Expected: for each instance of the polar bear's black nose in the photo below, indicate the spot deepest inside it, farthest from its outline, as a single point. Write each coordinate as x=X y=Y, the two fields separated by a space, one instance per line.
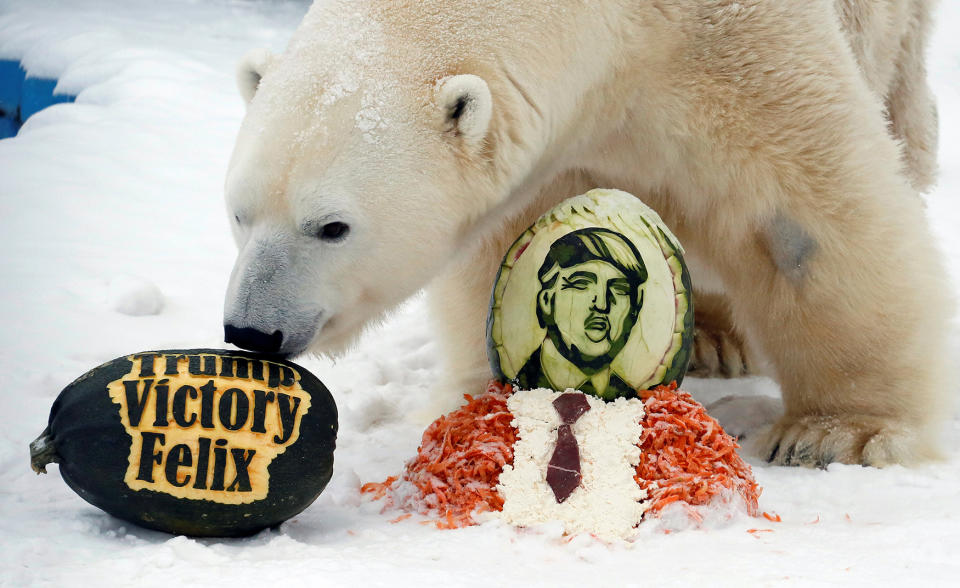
x=253 y=339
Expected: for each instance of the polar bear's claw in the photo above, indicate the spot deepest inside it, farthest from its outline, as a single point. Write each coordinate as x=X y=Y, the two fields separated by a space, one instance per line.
x=718 y=354
x=816 y=441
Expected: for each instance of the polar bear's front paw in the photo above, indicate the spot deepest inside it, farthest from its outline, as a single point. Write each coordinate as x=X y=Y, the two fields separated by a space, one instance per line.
x=816 y=441
x=717 y=353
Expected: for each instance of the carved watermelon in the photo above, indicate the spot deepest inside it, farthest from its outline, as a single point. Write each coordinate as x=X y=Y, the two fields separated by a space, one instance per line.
x=594 y=296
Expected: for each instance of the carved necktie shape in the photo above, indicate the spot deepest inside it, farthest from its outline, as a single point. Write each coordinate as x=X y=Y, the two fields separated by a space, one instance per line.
x=563 y=471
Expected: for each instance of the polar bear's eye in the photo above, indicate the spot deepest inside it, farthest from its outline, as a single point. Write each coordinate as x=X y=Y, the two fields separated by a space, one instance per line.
x=333 y=232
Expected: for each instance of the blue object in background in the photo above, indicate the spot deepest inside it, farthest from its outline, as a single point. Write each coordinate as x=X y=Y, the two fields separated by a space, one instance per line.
x=37 y=94
x=22 y=97
x=11 y=84
x=8 y=127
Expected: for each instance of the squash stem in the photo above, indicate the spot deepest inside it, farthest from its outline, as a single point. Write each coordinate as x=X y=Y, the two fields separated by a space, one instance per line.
x=42 y=452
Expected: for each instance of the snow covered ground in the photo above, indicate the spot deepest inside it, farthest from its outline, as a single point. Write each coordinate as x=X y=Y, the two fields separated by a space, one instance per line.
x=115 y=202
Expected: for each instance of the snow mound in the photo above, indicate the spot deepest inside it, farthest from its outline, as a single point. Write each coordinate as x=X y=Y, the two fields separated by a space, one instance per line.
x=134 y=296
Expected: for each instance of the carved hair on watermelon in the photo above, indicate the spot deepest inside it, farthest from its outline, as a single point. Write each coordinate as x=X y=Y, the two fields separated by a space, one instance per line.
x=686 y=458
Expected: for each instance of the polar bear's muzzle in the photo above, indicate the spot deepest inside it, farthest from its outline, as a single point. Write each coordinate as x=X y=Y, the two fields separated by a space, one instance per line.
x=264 y=309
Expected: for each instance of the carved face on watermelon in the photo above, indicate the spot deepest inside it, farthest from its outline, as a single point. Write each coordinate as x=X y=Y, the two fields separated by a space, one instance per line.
x=589 y=295
x=375 y=148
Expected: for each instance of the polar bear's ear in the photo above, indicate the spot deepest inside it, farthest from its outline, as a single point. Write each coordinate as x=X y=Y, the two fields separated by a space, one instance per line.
x=466 y=104
x=249 y=71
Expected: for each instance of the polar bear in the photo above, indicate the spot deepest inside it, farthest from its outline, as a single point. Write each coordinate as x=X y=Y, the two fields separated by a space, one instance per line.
x=398 y=145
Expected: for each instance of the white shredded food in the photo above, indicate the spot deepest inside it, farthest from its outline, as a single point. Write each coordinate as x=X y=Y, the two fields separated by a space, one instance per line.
x=608 y=503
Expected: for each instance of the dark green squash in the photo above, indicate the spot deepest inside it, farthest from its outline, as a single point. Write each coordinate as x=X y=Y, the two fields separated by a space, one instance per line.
x=199 y=442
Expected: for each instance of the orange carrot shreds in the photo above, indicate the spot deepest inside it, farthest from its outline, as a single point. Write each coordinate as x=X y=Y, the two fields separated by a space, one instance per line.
x=755 y=531
x=402 y=517
x=459 y=461
x=378 y=489
x=774 y=518
x=686 y=456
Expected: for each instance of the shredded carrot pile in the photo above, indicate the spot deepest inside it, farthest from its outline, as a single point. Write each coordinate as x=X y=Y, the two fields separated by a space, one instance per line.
x=686 y=456
x=460 y=459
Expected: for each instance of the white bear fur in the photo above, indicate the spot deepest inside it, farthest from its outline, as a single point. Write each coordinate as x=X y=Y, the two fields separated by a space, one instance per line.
x=738 y=121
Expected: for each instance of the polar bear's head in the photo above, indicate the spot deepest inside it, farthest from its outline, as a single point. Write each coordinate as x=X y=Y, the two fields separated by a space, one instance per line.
x=381 y=143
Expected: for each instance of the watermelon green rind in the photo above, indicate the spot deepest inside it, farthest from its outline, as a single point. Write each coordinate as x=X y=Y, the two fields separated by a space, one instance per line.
x=496 y=294
x=677 y=368
x=678 y=356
